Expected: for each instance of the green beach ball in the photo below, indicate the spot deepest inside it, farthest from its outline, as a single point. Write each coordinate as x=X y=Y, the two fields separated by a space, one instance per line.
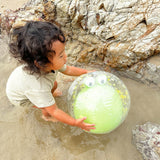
x=102 y=98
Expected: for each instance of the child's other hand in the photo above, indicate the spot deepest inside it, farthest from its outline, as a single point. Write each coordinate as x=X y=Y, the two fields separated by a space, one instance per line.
x=85 y=126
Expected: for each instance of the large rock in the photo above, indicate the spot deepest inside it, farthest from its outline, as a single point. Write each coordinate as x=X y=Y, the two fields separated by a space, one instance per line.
x=146 y=138
x=111 y=33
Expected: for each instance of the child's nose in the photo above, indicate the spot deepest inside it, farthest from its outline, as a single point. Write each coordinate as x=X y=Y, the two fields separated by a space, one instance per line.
x=65 y=56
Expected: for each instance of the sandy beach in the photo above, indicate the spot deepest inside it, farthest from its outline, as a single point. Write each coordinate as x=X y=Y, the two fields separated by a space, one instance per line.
x=10 y=4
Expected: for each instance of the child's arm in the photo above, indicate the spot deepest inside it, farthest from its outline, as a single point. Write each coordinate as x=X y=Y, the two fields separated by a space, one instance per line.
x=65 y=118
x=74 y=71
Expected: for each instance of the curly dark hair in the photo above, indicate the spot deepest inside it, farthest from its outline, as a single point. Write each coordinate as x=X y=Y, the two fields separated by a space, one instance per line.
x=33 y=42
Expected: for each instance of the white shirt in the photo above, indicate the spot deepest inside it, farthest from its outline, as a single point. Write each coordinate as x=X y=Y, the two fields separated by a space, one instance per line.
x=25 y=89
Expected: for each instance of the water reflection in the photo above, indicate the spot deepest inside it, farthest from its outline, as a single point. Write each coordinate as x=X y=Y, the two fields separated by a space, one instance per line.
x=24 y=135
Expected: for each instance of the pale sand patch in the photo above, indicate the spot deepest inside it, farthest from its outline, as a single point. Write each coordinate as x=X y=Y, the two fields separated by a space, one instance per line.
x=11 y=4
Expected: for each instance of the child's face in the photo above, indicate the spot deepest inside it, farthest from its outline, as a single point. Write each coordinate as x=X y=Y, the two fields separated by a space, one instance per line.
x=59 y=59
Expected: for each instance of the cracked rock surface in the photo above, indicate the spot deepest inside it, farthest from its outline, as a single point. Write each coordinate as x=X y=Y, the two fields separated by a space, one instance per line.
x=124 y=35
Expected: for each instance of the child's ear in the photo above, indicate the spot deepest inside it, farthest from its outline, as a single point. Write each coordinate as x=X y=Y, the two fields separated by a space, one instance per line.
x=39 y=66
x=36 y=64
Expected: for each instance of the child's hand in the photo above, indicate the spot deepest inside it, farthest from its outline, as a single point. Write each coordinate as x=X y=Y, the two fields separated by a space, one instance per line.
x=85 y=126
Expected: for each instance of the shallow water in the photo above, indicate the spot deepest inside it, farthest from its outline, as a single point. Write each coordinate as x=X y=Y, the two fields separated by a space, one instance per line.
x=24 y=135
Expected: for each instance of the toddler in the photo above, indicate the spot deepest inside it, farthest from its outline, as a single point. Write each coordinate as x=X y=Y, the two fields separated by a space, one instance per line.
x=40 y=47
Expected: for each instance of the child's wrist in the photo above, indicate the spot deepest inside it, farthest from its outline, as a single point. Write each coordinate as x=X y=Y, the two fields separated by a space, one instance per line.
x=85 y=71
x=74 y=122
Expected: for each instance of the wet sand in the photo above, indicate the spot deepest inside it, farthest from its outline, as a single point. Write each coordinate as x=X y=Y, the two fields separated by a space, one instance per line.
x=24 y=135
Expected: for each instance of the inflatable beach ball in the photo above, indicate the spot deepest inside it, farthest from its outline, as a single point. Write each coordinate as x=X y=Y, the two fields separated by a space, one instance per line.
x=102 y=98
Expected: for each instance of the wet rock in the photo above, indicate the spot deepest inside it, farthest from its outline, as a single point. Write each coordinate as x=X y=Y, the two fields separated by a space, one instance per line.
x=7 y=19
x=147 y=140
